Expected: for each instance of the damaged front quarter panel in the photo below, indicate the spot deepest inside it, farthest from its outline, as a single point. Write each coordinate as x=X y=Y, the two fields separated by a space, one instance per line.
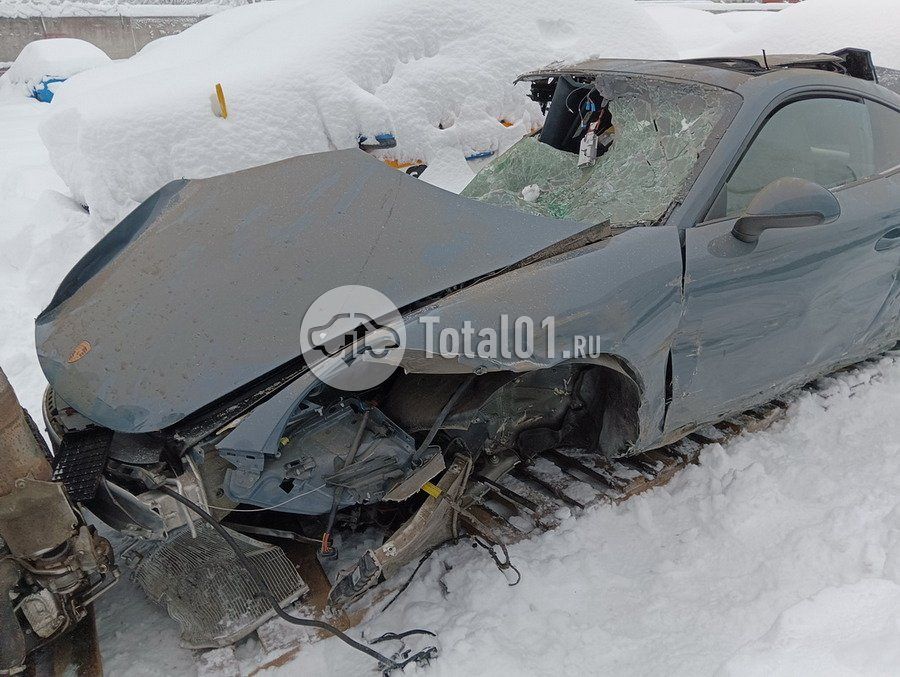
x=627 y=316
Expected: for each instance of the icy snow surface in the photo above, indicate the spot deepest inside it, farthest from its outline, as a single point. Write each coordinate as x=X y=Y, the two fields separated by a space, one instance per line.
x=693 y=27
x=779 y=554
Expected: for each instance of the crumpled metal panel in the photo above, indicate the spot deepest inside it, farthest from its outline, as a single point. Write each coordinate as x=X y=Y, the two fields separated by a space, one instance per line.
x=312 y=460
x=203 y=288
x=661 y=129
x=629 y=311
x=762 y=318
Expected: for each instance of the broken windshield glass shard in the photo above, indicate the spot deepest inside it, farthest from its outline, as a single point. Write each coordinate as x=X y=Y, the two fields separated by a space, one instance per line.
x=658 y=133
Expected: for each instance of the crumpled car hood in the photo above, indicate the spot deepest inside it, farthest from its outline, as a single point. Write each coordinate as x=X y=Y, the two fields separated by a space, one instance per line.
x=203 y=287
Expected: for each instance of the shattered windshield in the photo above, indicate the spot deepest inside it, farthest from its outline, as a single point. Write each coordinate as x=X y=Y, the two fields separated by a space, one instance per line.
x=633 y=145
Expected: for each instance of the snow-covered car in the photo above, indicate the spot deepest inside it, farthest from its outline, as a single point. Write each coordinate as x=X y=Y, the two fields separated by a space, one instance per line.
x=688 y=239
x=43 y=64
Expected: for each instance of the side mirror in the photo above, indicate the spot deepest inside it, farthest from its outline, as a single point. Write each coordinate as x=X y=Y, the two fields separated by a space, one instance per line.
x=786 y=203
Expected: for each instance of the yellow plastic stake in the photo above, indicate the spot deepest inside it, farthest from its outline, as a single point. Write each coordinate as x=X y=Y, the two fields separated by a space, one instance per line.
x=431 y=489
x=220 y=95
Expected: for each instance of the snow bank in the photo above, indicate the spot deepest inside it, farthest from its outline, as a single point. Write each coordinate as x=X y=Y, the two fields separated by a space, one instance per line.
x=741 y=21
x=688 y=27
x=302 y=77
x=849 y=629
x=54 y=58
x=66 y=8
x=42 y=234
x=722 y=6
x=822 y=26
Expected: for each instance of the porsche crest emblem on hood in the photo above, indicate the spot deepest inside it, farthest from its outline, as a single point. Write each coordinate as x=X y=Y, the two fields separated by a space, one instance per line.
x=80 y=351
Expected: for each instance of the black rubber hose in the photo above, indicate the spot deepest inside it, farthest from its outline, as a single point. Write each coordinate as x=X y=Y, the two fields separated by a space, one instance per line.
x=339 y=491
x=442 y=415
x=264 y=588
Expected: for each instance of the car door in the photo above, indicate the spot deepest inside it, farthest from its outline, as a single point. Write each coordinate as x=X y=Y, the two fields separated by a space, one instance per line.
x=763 y=317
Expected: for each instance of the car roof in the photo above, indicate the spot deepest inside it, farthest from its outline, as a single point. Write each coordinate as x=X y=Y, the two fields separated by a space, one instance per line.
x=762 y=63
x=728 y=72
x=681 y=70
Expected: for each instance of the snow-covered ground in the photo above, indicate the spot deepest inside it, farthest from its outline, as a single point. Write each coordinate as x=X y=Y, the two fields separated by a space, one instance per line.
x=780 y=553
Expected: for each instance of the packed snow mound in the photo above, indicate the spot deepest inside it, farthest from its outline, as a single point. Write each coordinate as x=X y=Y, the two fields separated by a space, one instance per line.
x=848 y=629
x=54 y=58
x=303 y=77
x=821 y=26
x=57 y=8
x=688 y=27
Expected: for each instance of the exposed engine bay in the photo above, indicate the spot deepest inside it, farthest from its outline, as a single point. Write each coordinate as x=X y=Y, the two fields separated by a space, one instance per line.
x=402 y=429
x=351 y=467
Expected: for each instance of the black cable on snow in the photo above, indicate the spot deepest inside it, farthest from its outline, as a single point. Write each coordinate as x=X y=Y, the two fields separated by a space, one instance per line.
x=386 y=663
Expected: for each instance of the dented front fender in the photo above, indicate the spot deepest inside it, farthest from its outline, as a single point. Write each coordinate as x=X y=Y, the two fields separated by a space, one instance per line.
x=623 y=294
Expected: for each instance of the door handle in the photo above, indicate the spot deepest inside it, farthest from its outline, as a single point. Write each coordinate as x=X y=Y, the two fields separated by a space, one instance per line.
x=889 y=240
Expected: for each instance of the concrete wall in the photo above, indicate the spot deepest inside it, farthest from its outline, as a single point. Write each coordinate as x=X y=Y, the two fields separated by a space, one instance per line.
x=118 y=36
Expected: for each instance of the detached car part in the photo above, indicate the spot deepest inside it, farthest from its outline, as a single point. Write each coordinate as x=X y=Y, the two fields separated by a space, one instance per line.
x=52 y=565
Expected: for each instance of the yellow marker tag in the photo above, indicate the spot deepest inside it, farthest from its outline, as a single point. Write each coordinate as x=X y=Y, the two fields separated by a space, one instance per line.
x=284 y=441
x=431 y=489
x=220 y=95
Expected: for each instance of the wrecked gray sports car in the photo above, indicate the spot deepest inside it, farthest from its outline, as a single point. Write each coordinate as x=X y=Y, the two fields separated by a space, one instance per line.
x=686 y=240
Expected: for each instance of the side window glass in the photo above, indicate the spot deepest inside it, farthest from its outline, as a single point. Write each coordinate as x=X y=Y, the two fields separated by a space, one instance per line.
x=824 y=140
x=886 y=132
